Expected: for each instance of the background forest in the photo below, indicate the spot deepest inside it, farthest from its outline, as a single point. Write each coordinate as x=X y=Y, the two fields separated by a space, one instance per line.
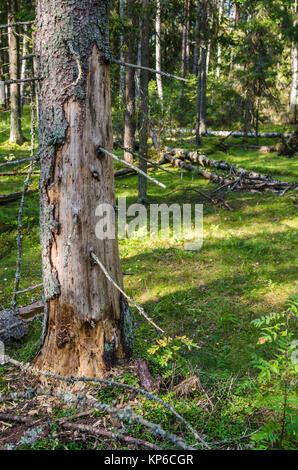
x=227 y=362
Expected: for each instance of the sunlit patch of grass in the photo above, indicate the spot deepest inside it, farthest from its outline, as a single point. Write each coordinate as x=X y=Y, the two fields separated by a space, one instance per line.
x=245 y=269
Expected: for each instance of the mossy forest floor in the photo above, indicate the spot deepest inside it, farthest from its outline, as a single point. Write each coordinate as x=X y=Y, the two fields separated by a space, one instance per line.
x=246 y=269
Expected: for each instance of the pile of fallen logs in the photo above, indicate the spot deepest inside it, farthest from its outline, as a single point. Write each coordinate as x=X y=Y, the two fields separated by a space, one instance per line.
x=231 y=177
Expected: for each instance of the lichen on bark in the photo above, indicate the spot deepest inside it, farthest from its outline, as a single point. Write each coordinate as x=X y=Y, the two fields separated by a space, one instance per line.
x=87 y=322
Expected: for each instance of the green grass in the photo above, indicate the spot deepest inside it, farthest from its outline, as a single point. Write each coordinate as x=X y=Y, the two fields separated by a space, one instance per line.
x=245 y=269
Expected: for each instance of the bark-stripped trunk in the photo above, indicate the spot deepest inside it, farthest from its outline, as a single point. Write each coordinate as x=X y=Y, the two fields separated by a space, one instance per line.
x=16 y=135
x=88 y=322
x=144 y=105
x=158 y=50
x=130 y=84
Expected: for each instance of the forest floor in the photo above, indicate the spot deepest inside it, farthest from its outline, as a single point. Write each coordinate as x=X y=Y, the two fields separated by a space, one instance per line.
x=246 y=269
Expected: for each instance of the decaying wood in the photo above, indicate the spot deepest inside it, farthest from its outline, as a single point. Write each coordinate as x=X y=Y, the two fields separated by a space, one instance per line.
x=30 y=310
x=148 y=383
x=235 y=178
x=37 y=372
x=10 y=197
x=85 y=313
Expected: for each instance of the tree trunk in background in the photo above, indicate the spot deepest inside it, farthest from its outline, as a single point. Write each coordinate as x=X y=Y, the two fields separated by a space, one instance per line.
x=218 y=57
x=185 y=47
x=25 y=51
x=158 y=50
x=196 y=43
x=122 y=69
x=16 y=135
x=201 y=127
x=130 y=83
x=236 y=18
x=138 y=71
x=144 y=105
x=87 y=320
x=294 y=84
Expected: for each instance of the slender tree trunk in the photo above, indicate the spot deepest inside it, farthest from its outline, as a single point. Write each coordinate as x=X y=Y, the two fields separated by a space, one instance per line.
x=218 y=58
x=158 y=50
x=196 y=43
x=24 y=63
x=138 y=71
x=201 y=127
x=185 y=47
x=130 y=84
x=257 y=122
x=144 y=105
x=87 y=320
x=294 y=84
x=122 y=70
x=16 y=135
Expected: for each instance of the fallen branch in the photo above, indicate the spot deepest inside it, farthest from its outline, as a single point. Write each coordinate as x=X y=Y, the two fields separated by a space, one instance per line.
x=10 y=197
x=236 y=179
x=115 y=157
x=142 y=67
x=111 y=435
x=140 y=309
x=149 y=395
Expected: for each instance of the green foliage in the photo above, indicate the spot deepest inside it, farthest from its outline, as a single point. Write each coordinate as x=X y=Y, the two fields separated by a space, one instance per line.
x=277 y=376
x=167 y=352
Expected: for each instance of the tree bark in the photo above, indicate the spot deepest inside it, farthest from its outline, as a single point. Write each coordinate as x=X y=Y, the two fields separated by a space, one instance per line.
x=201 y=127
x=130 y=84
x=88 y=323
x=144 y=105
x=185 y=47
x=196 y=43
x=16 y=135
x=218 y=56
x=24 y=63
x=122 y=70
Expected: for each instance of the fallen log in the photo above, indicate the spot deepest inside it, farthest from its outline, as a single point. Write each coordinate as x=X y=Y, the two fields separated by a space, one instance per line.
x=232 y=170
x=234 y=133
x=10 y=197
x=18 y=173
x=30 y=310
x=237 y=178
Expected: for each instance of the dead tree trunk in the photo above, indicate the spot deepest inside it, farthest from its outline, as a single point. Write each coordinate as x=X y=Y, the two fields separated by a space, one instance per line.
x=88 y=323
x=130 y=83
x=16 y=135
